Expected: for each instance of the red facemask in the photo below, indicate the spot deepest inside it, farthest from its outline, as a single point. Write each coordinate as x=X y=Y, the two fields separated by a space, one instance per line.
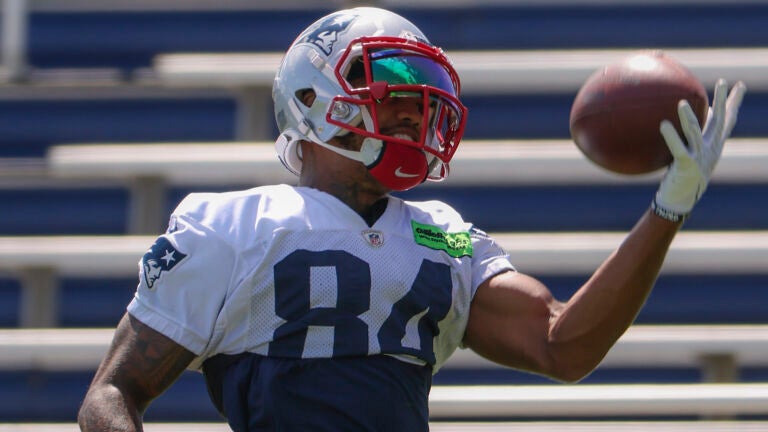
x=396 y=67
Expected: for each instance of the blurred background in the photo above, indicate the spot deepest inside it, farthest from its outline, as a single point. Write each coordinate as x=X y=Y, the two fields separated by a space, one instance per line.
x=111 y=111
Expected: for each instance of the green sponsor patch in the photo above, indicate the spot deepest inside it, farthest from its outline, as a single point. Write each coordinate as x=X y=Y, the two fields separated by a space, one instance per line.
x=454 y=244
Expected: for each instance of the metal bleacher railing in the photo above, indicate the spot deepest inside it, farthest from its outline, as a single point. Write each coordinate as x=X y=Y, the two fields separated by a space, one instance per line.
x=149 y=169
x=719 y=351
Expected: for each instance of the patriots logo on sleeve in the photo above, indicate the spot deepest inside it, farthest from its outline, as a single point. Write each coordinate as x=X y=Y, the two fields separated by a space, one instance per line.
x=161 y=257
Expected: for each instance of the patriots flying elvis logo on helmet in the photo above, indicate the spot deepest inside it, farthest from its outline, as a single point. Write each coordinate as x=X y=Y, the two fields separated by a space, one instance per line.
x=327 y=32
x=161 y=257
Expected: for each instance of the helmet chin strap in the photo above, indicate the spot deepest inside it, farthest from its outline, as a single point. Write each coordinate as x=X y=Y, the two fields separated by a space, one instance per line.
x=370 y=149
x=368 y=154
x=396 y=166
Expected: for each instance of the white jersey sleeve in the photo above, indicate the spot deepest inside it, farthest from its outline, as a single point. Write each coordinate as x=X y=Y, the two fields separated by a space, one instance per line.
x=184 y=277
x=490 y=258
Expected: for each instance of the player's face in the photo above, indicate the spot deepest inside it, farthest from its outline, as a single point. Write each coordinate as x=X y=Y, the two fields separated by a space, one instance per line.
x=400 y=116
x=397 y=116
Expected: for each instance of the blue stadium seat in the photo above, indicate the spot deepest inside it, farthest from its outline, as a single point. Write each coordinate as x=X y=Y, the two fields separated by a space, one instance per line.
x=29 y=127
x=130 y=39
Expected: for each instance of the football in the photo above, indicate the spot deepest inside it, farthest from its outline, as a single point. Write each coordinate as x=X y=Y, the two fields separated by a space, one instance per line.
x=615 y=116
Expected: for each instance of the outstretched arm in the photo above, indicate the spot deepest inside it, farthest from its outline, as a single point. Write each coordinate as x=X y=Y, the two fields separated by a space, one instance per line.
x=140 y=364
x=514 y=320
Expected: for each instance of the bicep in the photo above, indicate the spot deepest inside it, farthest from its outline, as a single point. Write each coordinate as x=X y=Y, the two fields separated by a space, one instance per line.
x=141 y=362
x=509 y=321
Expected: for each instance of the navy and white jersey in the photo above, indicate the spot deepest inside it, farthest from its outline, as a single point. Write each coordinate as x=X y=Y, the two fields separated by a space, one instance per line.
x=293 y=274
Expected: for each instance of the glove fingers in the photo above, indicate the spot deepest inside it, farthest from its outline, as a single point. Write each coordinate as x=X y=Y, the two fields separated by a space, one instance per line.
x=713 y=130
x=674 y=143
x=690 y=172
x=690 y=126
x=732 y=105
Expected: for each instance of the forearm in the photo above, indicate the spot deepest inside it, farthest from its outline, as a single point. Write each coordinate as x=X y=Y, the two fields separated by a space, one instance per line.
x=106 y=409
x=515 y=320
x=606 y=305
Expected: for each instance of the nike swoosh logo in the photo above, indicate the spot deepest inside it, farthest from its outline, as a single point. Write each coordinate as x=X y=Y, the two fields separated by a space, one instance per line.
x=400 y=173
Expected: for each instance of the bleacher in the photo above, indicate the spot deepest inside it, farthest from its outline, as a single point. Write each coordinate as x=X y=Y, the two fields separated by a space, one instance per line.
x=111 y=113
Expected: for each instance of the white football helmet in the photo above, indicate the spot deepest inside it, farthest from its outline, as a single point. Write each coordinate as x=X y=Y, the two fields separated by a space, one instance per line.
x=353 y=60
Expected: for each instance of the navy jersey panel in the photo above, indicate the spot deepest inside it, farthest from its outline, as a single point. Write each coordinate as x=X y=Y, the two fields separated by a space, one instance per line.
x=376 y=393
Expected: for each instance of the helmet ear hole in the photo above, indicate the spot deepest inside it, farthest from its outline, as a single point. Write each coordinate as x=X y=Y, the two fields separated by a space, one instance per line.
x=306 y=96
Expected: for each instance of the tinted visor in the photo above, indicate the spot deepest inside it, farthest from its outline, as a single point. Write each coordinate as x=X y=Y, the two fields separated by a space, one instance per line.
x=400 y=67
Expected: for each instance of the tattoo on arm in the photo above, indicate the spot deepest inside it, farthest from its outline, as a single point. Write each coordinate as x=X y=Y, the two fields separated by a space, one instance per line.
x=154 y=362
x=141 y=364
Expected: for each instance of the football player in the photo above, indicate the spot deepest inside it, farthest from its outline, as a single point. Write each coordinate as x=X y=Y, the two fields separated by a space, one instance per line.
x=329 y=305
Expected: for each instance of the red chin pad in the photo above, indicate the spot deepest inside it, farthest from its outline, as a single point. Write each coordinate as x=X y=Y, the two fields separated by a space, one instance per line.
x=399 y=167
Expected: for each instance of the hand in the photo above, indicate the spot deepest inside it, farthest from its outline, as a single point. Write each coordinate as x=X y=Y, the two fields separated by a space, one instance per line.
x=688 y=175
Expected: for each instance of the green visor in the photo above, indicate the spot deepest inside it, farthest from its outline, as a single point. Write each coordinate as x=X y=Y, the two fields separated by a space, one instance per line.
x=401 y=67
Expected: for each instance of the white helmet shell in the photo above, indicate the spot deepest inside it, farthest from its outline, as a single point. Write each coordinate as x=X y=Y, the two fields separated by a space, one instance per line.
x=310 y=63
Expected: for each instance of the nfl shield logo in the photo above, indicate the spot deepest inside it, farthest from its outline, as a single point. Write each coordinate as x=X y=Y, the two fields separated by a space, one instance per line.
x=373 y=237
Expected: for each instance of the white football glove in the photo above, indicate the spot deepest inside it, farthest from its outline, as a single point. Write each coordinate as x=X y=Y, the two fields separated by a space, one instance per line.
x=692 y=165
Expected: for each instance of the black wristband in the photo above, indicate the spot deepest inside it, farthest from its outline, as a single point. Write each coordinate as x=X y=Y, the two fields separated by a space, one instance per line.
x=667 y=214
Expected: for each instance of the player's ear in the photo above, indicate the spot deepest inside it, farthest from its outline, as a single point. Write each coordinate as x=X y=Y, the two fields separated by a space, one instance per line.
x=306 y=96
